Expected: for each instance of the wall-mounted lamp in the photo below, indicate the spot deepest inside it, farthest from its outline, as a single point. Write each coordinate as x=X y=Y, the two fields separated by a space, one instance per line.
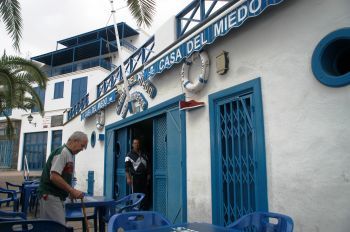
x=30 y=120
x=222 y=63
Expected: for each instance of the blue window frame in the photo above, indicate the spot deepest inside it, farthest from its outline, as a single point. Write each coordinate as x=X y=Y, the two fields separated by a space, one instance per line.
x=330 y=60
x=41 y=93
x=59 y=88
x=79 y=87
x=56 y=140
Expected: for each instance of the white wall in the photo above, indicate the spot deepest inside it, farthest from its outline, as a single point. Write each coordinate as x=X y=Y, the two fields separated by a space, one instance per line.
x=306 y=140
x=57 y=106
x=307 y=148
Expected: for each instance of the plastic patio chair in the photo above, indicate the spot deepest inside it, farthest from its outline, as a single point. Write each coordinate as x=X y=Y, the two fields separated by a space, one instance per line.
x=15 y=187
x=76 y=214
x=128 y=203
x=137 y=220
x=11 y=216
x=34 y=225
x=264 y=222
x=11 y=197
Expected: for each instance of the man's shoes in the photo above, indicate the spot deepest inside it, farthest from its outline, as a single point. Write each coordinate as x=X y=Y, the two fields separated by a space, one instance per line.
x=188 y=105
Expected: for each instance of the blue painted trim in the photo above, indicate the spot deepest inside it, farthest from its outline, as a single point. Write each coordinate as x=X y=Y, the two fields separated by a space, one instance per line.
x=184 y=163
x=149 y=113
x=255 y=87
x=318 y=59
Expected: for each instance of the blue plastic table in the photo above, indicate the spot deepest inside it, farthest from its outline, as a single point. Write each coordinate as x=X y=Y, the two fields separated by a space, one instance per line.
x=99 y=202
x=189 y=227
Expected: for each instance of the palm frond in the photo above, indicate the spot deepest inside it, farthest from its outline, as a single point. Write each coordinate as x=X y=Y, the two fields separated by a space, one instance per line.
x=9 y=128
x=142 y=10
x=34 y=73
x=10 y=12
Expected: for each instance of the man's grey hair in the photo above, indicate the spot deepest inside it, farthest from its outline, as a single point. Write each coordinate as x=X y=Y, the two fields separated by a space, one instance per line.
x=78 y=136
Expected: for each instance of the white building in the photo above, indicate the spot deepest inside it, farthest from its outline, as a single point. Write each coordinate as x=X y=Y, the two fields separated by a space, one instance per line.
x=271 y=135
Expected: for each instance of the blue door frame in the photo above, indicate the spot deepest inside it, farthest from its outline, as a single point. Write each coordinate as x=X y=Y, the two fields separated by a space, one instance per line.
x=110 y=149
x=238 y=163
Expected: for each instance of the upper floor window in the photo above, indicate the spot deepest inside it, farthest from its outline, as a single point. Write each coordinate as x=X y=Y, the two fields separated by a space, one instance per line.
x=41 y=93
x=79 y=87
x=59 y=88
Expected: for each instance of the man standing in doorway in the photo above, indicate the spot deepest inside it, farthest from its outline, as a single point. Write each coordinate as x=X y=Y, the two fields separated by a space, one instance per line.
x=56 y=178
x=137 y=170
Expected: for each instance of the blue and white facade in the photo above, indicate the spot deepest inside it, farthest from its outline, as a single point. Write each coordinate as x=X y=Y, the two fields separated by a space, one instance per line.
x=270 y=136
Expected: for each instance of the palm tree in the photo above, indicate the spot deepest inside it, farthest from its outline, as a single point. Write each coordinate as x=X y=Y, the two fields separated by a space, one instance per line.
x=17 y=76
x=10 y=14
x=142 y=11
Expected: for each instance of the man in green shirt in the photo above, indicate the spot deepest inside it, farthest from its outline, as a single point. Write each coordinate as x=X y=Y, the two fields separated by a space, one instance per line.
x=56 y=179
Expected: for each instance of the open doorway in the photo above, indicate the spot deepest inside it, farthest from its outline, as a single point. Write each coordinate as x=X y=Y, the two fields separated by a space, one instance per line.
x=144 y=132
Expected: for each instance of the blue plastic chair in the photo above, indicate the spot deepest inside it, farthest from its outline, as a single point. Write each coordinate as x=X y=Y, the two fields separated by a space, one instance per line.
x=34 y=225
x=128 y=203
x=76 y=214
x=264 y=222
x=15 y=187
x=11 y=216
x=11 y=197
x=137 y=220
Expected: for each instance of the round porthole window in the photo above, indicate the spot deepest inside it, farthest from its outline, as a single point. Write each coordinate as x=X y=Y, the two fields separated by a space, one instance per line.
x=331 y=59
x=93 y=139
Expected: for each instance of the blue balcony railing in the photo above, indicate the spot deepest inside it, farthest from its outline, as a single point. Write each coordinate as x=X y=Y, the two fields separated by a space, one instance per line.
x=198 y=11
x=128 y=45
x=81 y=65
x=138 y=58
x=78 y=107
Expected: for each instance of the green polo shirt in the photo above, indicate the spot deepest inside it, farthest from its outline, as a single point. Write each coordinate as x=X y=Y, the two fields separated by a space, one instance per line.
x=61 y=161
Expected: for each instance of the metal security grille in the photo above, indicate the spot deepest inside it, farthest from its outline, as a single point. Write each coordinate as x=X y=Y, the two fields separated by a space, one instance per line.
x=35 y=149
x=6 y=150
x=236 y=149
x=160 y=165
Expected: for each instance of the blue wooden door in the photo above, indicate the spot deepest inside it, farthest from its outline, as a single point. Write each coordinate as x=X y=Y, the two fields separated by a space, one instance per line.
x=6 y=150
x=174 y=155
x=35 y=149
x=121 y=148
x=167 y=167
x=238 y=155
x=110 y=150
x=160 y=165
